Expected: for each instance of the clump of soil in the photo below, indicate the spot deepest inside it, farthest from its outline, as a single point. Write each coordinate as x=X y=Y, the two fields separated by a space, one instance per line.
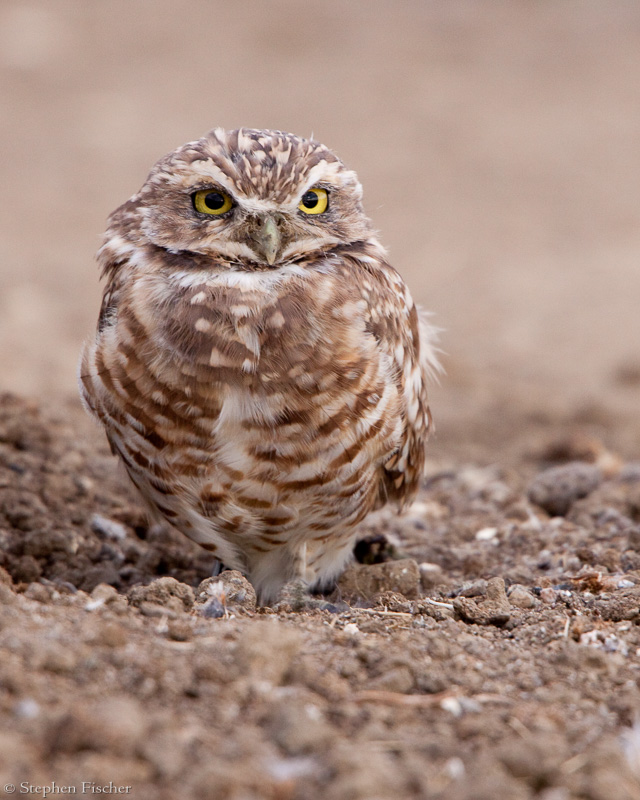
x=494 y=655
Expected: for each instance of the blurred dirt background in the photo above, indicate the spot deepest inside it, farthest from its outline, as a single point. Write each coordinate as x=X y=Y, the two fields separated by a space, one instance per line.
x=498 y=144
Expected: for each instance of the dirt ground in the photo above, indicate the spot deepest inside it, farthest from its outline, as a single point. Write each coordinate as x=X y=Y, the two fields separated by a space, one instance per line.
x=494 y=654
x=488 y=645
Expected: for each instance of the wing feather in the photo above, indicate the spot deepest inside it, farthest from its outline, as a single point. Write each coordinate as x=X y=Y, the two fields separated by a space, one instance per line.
x=408 y=340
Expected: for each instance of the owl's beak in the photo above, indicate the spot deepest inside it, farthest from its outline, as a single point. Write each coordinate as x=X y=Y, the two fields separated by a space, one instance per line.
x=268 y=239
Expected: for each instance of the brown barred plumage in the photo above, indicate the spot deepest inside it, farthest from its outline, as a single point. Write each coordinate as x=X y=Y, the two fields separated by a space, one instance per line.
x=260 y=372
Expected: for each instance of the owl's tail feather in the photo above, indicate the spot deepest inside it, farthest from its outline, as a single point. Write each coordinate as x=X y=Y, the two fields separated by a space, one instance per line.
x=429 y=350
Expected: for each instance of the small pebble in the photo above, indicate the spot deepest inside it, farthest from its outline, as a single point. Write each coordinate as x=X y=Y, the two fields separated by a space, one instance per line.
x=548 y=595
x=486 y=534
x=519 y=597
x=285 y=770
x=27 y=709
x=452 y=705
x=351 y=629
x=430 y=575
x=454 y=768
x=557 y=488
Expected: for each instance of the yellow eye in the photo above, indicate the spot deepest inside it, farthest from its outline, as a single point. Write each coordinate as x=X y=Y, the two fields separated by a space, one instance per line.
x=212 y=201
x=315 y=201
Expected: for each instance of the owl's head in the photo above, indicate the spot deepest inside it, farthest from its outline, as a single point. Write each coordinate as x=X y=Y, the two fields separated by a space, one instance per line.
x=252 y=198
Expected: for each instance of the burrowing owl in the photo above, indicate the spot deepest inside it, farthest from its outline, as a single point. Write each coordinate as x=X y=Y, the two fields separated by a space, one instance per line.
x=258 y=366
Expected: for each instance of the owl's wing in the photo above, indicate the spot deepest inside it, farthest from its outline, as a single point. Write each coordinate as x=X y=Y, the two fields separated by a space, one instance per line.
x=407 y=339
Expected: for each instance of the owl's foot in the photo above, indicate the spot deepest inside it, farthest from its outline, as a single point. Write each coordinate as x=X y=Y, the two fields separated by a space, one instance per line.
x=217 y=568
x=296 y=596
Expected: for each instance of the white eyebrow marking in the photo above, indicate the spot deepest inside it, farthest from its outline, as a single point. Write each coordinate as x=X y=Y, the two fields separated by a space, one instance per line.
x=209 y=171
x=257 y=205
